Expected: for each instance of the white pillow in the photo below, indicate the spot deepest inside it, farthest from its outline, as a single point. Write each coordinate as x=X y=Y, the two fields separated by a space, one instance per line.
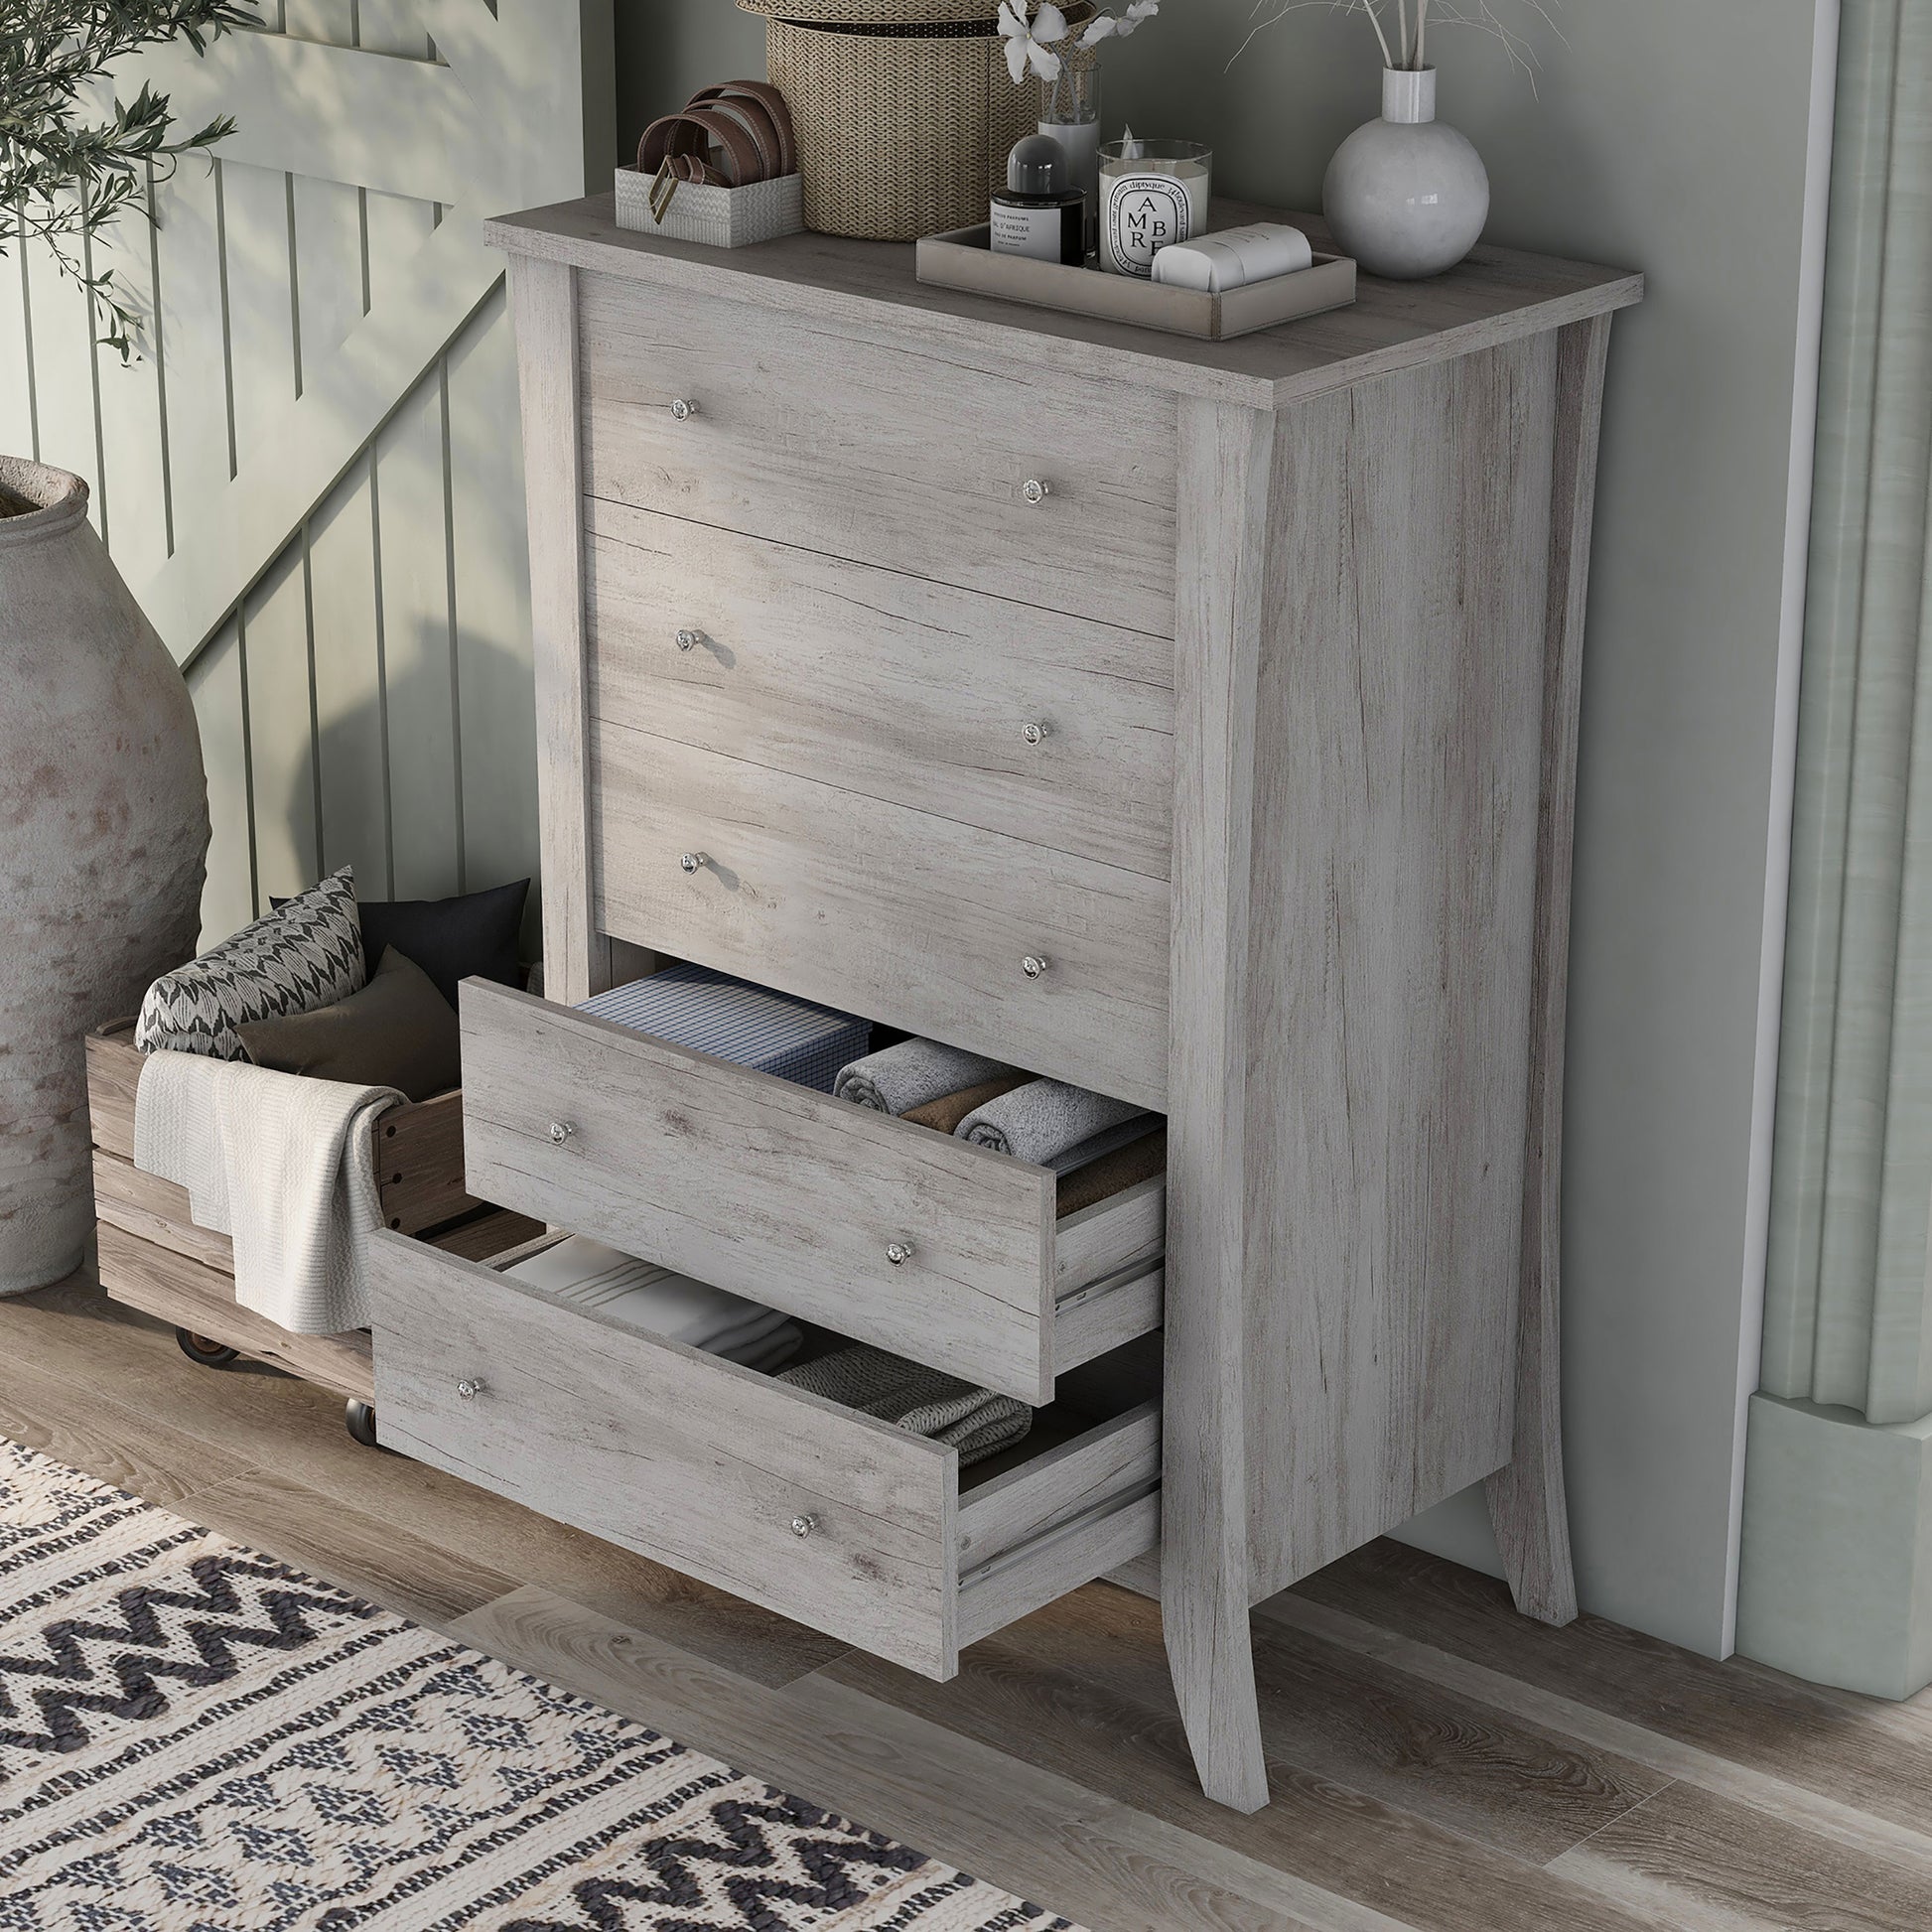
x=301 y=956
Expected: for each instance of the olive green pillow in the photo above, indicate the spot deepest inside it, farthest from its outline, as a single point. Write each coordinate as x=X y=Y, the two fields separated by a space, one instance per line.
x=397 y=1032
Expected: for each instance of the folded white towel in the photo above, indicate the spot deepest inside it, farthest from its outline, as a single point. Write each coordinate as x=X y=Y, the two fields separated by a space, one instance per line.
x=282 y=1163
x=584 y=1273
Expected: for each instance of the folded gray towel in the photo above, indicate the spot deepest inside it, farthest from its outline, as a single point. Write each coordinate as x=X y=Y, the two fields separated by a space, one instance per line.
x=1047 y=1122
x=978 y=1423
x=898 y=1078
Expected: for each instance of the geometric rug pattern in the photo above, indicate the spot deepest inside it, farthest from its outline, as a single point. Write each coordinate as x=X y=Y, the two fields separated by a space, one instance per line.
x=196 y=1738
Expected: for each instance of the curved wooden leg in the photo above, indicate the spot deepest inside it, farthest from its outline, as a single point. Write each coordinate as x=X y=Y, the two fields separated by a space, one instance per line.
x=1204 y=1619
x=1526 y=1499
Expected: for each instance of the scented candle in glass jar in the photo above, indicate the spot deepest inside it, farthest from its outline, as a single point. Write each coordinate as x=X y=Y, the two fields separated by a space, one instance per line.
x=1151 y=192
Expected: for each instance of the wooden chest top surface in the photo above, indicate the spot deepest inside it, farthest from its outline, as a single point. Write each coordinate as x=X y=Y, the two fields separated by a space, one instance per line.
x=1498 y=295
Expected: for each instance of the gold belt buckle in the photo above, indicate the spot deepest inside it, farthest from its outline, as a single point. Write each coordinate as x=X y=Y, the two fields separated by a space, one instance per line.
x=663 y=186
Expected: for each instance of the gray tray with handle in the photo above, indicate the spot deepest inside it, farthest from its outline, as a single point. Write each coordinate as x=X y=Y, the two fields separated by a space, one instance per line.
x=963 y=258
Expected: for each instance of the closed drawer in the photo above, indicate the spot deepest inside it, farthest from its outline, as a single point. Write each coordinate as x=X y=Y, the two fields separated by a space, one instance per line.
x=791 y=1197
x=813 y=1510
x=910 y=919
x=874 y=447
x=1047 y=728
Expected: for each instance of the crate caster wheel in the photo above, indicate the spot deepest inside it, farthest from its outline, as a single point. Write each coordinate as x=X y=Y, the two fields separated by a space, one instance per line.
x=360 y=1419
x=200 y=1349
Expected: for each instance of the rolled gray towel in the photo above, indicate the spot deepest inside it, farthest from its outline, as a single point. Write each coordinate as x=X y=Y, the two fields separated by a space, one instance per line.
x=897 y=1079
x=1047 y=1122
x=922 y=1401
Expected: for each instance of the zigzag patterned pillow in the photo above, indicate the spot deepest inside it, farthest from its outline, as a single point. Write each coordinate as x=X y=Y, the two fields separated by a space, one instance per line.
x=303 y=955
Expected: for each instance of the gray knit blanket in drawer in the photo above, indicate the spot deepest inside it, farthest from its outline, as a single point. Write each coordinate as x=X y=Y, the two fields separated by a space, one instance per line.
x=978 y=1423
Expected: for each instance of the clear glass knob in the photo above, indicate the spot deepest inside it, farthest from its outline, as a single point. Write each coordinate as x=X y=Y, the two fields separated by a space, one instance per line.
x=1036 y=732
x=561 y=1131
x=1035 y=965
x=689 y=639
x=803 y=1525
x=899 y=1252
x=1034 y=490
x=470 y=1389
x=683 y=408
x=691 y=861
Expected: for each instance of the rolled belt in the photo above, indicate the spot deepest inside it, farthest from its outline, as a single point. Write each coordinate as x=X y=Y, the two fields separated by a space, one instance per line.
x=746 y=122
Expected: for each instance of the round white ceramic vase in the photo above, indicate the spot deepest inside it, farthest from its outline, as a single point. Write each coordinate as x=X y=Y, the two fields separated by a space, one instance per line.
x=1405 y=195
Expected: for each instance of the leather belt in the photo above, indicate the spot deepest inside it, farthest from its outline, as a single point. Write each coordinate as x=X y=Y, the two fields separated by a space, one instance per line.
x=729 y=136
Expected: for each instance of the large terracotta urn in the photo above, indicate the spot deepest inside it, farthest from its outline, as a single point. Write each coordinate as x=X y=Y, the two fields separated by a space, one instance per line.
x=104 y=839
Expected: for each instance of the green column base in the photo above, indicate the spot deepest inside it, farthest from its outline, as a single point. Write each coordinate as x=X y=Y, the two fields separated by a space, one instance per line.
x=1834 y=1583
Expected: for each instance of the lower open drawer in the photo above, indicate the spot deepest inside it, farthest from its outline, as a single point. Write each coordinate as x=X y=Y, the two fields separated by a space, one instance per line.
x=818 y=1512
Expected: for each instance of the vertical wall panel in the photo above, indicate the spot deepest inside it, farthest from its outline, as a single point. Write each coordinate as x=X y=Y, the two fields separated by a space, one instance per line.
x=63 y=376
x=493 y=577
x=216 y=681
x=130 y=408
x=193 y=341
x=16 y=397
x=328 y=259
x=261 y=323
x=280 y=739
x=349 y=686
x=421 y=676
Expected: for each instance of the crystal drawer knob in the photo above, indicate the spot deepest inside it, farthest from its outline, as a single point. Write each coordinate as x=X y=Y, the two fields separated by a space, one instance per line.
x=561 y=1131
x=691 y=861
x=1034 y=966
x=683 y=408
x=898 y=1253
x=470 y=1389
x=1036 y=492
x=1036 y=732
x=689 y=639
x=803 y=1525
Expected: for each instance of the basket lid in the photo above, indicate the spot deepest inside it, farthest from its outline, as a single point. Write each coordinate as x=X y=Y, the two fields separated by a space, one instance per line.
x=910 y=14
x=876 y=13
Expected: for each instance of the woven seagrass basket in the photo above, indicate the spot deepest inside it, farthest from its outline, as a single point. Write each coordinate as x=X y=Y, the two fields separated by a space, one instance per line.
x=902 y=126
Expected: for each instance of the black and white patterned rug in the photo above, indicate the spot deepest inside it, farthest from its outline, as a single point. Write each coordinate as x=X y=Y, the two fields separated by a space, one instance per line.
x=196 y=1738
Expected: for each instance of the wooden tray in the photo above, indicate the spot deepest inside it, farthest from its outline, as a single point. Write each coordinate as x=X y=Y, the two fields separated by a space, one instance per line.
x=964 y=259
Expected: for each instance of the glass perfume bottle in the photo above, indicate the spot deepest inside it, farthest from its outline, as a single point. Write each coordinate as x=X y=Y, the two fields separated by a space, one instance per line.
x=1036 y=213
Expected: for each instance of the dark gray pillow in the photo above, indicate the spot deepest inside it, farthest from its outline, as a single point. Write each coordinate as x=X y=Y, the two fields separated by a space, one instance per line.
x=452 y=939
x=397 y=1032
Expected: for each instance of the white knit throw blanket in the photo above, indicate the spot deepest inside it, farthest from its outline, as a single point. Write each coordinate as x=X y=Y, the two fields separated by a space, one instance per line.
x=282 y=1163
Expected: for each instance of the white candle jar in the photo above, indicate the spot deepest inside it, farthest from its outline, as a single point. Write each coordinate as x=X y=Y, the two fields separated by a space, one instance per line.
x=1152 y=194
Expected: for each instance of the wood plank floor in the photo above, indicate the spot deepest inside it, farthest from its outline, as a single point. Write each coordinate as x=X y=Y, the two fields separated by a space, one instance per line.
x=1439 y=1764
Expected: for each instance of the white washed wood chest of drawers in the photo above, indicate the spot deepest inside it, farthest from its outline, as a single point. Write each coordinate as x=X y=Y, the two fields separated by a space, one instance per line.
x=1193 y=721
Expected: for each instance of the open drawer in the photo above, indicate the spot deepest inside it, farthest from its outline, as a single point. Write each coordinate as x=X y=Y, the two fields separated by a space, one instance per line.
x=888 y=1232
x=813 y=1510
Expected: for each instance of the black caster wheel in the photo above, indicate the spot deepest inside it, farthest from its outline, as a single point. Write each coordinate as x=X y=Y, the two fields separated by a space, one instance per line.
x=360 y=1419
x=198 y=1348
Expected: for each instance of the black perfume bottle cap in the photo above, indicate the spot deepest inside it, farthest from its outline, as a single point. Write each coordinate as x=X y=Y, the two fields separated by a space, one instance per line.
x=1036 y=165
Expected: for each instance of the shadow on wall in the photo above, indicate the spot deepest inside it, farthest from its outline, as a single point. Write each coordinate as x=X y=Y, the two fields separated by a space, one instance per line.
x=426 y=785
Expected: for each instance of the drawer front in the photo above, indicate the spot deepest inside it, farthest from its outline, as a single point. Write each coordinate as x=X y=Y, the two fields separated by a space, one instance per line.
x=909 y=919
x=873 y=448
x=687 y=1459
x=1047 y=728
x=762 y=1187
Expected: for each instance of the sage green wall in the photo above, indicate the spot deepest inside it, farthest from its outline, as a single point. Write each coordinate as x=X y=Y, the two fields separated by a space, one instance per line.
x=1675 y=139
